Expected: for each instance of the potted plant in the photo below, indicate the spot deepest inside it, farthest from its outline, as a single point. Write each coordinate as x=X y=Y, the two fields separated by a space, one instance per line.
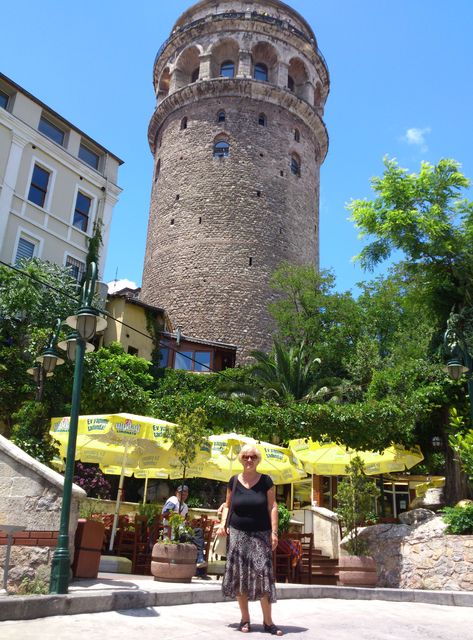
x=355 y=496
x=173 y=558
x=88 y=542
x=284 y=519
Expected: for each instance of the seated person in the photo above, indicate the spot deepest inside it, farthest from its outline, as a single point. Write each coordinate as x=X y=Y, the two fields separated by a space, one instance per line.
x=177 y=503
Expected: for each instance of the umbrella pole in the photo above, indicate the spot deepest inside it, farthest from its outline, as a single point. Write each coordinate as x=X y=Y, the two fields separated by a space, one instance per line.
x=145 y=492
x=117 y=504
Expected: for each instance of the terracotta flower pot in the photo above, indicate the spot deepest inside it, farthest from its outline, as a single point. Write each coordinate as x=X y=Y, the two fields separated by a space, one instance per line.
x=173 y=562
x=357 y=571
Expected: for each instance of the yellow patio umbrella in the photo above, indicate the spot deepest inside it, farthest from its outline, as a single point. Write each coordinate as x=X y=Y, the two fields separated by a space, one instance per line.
x=222 y=461
x=330 y=459
x=117 y=441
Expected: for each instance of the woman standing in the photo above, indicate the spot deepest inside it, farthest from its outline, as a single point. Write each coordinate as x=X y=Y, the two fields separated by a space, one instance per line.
x=253 y=534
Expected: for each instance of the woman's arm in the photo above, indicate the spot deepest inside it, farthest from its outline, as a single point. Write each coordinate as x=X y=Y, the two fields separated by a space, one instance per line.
x=273 y=516
x=222 y=530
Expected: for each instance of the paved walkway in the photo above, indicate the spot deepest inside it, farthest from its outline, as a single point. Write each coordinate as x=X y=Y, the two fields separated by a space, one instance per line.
x=326 y=619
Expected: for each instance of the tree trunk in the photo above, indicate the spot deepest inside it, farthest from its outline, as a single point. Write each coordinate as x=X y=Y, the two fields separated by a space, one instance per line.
x=457 y=486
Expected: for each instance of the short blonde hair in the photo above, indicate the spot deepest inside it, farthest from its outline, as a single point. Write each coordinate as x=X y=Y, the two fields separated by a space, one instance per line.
x=249 y=448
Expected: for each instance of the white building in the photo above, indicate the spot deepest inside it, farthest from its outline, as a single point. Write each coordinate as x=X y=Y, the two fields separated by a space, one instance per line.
x=55 y=182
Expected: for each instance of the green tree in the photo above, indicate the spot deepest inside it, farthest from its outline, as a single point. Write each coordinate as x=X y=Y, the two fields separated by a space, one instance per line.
x=309 y=311
x=426 y=217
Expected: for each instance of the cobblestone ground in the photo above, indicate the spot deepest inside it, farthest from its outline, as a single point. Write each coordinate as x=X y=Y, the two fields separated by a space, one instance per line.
x=299 y=619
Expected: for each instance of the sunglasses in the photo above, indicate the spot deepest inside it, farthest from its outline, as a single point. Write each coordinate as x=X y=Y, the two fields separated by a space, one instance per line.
x=249 y=458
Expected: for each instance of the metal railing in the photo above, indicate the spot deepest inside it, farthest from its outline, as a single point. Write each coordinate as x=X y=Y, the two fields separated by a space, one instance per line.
x=242 y=15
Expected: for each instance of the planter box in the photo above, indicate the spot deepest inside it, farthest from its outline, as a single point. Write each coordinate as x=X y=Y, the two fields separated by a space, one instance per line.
x=173 y=562
x=357 y=571
x=88 y=546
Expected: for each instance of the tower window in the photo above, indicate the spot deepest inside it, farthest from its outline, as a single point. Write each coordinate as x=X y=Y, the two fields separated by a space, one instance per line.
x=295 y=165
x=158 y=169
x=297 y=135
x=290 y=83
x=260 y=72
x=250 y=261
x=184 y=123
x=221 y=149
x=195 y=75
x=262 y=119
x=227 y=69
x=221 y=116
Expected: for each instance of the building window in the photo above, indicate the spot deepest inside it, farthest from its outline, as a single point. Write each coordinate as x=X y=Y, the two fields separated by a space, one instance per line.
x=51 y=130
x=89 y=157
x=195 y=75
x=221 y=149
x=3 y=100
x=227 y=69
x=81 y=212
x=192 y=360
x=163 y=356
x=39 y=185
x=290 y=83
x=221 y=116
x=76 y=268
x=297 y=135
x=262 y=119
x=184 y=123
x=132 y=351
x=260 y=72
x=295 y=165
x=25 y=250
x=158 y=169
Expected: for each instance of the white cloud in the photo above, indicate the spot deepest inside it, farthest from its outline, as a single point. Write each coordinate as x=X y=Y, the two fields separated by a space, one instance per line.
x=118 y=285
x=417 y=137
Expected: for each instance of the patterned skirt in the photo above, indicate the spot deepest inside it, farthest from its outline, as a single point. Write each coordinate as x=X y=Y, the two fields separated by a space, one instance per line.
x=249 y=567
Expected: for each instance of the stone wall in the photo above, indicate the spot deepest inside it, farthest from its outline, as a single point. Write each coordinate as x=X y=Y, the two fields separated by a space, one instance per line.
x=31 y=497
x=219 y=227
x=417 y=554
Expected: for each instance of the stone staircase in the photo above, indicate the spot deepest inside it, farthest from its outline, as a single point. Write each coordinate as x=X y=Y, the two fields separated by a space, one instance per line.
x=324 y=569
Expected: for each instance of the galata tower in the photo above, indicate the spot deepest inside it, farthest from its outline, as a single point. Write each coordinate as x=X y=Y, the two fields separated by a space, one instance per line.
x=238 y=139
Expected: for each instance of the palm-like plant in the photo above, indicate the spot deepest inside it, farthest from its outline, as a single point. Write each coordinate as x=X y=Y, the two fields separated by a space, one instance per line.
x=287 y=374
x=284 y=376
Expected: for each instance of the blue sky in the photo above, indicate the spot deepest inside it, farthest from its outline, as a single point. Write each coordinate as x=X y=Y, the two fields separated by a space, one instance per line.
x=400 y=85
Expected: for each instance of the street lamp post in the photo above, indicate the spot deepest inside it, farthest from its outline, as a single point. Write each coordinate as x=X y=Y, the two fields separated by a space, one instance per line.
x=459 y=361
x=86 y=323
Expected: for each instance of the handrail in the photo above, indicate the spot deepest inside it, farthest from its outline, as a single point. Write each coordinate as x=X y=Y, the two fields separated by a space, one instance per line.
x=242 y=15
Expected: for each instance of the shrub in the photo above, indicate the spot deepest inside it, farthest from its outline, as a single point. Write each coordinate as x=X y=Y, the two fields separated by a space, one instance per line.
x=459 y=519
x=284 y=518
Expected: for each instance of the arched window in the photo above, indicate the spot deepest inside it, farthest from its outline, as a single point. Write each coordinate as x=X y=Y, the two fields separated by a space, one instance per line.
x=195 y=75
x=295 y=164
x=290 y=83
x=262 y=119
x=260 y=72
x=297 y=135
x=227 y=69
x=184 y=123
x=221 y=116
x=221 y=149
x=157 y=170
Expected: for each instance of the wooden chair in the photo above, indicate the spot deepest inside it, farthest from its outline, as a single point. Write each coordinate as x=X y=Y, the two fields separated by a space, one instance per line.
x=141 y=561
x=303 y=571
x=282 y=566
x=125 y=538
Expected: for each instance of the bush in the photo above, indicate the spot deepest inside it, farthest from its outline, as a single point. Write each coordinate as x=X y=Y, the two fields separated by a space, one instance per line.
x=459 y=519
x=284 y=519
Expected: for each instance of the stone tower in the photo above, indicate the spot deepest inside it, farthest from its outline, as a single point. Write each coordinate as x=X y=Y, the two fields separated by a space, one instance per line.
x=238 y=139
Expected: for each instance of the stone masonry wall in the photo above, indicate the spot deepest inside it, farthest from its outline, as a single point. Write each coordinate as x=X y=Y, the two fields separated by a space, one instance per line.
x=31 y=497
x=421 y=556
x=219 y=227
x=210 y=217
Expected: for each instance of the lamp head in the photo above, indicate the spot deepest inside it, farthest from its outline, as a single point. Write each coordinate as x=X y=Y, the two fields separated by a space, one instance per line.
x=87 y=322
x=455 y=368
x=70 y=343
x=49 y=359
